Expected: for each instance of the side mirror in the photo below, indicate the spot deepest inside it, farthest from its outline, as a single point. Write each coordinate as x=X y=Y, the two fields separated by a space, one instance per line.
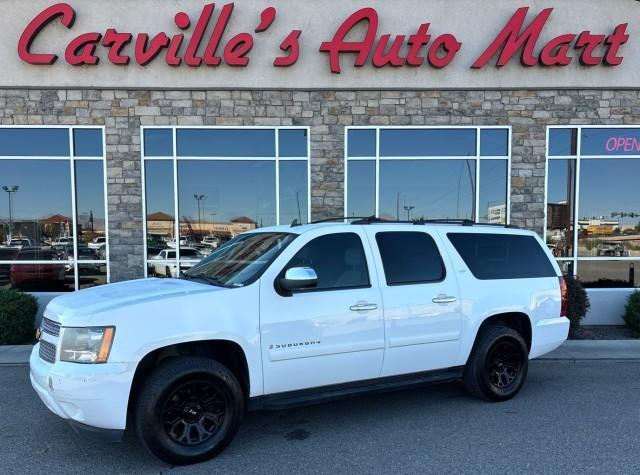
x=298 y=278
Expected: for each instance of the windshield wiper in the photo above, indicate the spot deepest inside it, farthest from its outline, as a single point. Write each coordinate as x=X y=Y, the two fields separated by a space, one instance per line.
x=205 y=278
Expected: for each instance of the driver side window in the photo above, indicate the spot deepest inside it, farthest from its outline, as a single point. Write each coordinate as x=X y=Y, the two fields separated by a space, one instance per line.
x=338 y=259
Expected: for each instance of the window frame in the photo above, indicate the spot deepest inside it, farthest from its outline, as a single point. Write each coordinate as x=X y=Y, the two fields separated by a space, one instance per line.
x=333 y=289
x=175 y=158
x=578 y=157
x=71 y=158
x=477 y=157
x=417 y=282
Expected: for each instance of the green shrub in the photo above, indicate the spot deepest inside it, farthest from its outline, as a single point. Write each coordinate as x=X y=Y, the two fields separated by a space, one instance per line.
x=578 y=301
x=632 y=313
x=17 y=317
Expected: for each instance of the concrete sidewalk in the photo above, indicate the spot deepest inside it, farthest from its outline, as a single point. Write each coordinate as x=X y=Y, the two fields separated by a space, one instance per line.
x=572 y=350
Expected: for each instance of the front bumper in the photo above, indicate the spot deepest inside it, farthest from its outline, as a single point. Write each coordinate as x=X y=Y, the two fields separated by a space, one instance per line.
x=548 y=334
x=94 y=395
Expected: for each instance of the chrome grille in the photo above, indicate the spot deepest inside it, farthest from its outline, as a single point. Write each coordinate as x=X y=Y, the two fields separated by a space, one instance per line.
x=50 y=327
x=47 y=351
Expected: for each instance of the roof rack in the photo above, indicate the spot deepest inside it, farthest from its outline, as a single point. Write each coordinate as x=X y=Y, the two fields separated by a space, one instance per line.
x=375 y=220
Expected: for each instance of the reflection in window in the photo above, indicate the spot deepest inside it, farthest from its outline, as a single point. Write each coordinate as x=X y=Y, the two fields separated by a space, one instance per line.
x=608 y=274
x=361 y=188
x=293 y=191
x=34 y=142
x=37 y=223
x=361 y=142
x=91 y=275
x=239 y=195
x=414 y=189
x=419 y=178
x=36 y=210
x=427 y=142
x=226 y=185
x=90 y=204
x=560 y=207
x=226 y=142
x=563 y=142
x=494 y=142
x=493 y=191
x=159 y=205
x=608 y=223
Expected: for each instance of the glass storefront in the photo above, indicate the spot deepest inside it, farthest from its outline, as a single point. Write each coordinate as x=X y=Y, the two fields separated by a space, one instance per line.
x=411 y=173
x=53 y=223
x=593 y=203
x=219 y=182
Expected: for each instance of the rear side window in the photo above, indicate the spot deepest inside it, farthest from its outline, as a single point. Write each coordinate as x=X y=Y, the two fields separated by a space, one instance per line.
x=338 y=259
x=409 y=258
x=502 y=256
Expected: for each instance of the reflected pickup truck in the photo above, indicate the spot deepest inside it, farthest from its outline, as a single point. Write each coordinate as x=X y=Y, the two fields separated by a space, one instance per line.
x=293 y=315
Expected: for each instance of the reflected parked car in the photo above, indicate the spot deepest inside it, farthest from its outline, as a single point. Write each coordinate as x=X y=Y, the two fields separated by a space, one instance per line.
x=98 y=242
x=62 y=241
x=36 y=276
x=19 y=243
x=170 y=269
x=84 y=254
x=7 y=254
x=612 y=249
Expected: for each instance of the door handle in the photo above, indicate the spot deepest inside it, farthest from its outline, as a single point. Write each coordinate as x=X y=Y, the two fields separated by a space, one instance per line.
x=359 y=307
x=442 y=298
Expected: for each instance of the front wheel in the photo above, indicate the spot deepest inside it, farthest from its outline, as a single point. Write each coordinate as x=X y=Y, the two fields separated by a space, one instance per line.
x=188 y=410
x=498 y=364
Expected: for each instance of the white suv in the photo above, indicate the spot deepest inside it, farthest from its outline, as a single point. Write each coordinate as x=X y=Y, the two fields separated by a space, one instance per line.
x=288 y=315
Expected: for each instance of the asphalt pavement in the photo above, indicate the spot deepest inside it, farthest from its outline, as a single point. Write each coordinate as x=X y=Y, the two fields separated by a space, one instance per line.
x=571 y=417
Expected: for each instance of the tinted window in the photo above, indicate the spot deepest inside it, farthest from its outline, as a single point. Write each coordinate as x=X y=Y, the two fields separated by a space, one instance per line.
x=338 y=259
x=362 y=143
x=188 y=253
x=494 y=142
x=427 y=142
x=563 y=142
x=226 y=143
x=409 y=258
x=158 y=142
x=34 y=142
x=502 y=256
x=292 y=142
x=87 y=142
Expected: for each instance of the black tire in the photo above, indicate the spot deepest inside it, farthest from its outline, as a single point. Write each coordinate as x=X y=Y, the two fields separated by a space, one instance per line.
x=165 y=397
x=498 y=364
x=167 y=272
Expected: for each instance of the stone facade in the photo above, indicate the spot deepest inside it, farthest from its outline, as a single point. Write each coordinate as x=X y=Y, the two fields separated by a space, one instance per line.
x=122 y=112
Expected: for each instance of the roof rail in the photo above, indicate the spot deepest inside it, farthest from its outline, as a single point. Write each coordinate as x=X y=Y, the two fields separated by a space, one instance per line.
x=375 y=220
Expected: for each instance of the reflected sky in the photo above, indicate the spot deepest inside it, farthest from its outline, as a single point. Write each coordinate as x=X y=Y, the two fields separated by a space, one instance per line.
x=293 y=192
x=435 y=188
x=159 y=187
x=232 y=189
x=493 y=190
x=361 y=188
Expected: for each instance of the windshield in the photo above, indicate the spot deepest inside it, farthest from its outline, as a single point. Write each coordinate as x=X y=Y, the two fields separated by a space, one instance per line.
x=242 y=260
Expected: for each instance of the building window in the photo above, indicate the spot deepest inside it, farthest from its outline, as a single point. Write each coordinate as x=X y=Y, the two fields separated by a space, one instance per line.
x=53 y=213
x=408 y=173
x=219 y=182
x=593 y=203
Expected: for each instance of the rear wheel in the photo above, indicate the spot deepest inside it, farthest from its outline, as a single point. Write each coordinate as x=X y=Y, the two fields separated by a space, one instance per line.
x=188 y=410
x=497 y=367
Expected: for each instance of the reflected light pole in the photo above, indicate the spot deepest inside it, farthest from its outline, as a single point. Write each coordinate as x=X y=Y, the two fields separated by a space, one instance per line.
x=10 y=190
x=408 y=210
x=199 y=199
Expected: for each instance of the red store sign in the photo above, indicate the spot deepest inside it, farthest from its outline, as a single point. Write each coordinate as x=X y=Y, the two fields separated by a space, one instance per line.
x=374 y=48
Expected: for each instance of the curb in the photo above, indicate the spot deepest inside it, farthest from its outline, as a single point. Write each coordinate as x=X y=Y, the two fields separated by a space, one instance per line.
x=571 y=350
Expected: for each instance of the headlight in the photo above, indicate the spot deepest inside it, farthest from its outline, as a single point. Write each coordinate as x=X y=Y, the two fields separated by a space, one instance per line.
x=86 y=345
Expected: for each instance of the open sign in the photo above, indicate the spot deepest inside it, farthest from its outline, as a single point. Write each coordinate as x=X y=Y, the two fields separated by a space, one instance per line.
x=610 y=141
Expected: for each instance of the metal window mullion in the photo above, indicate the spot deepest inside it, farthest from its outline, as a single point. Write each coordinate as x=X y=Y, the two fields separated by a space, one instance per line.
x=476 y=207
x=175 y=198
x=308 y=174
x=74 y=211
x=377 y=210
x=106 y=203
x=508 y=210
x=144 y=201
x=277 y=143
x=577 y=202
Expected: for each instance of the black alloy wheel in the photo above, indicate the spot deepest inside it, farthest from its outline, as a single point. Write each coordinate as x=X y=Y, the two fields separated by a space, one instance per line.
x=188 y=410
x=193 y=412
x=497 y=367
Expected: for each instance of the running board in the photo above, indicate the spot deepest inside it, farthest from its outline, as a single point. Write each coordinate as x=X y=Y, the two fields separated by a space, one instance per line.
x=307 y=397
